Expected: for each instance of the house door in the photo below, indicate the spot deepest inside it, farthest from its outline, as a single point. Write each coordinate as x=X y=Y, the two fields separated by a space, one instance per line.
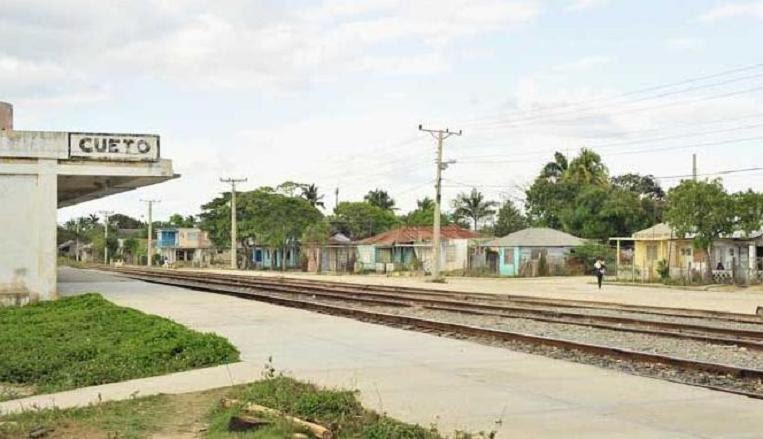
x=508 y=261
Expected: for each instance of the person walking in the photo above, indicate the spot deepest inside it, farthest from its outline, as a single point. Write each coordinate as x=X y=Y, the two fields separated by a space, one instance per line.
x=599 y=270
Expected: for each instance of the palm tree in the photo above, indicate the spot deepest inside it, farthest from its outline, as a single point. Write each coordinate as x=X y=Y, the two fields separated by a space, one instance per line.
x=380 y=198
x=555 y=170
x=310 y=193
x=473 y=206
x=425 y=203
x=587 y=168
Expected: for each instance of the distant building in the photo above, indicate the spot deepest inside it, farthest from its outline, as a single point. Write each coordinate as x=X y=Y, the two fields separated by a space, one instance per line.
x=410 y=248
x=337 y=255
x=265 y=257
x=520 y=253
x=734 y=257
x=184 y=246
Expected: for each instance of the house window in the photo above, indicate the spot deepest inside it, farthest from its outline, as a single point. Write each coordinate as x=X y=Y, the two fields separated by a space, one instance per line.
x=651 y=252
x=508 y=256
x=731 y=252
x=686 y=251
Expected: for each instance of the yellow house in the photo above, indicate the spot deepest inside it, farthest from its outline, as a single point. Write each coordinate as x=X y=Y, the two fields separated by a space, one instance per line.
x=659 y=243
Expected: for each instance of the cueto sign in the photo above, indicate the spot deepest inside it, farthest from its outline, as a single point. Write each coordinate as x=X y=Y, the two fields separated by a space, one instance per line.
x=98 y=146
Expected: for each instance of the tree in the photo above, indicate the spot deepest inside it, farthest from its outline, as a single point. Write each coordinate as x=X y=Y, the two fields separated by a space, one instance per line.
x=600 y=213
x=510 y=219
x=703 y=210
x=748 y=207
x=125 y=221
x=425 y=203
x=554 y=170
x=310 y=193
x=644 y=185
x=178 y=220
x=380 y=198
x=473 y=206
x=587 y=168
x=362 y=219
x=270 y=218
x=423 y=215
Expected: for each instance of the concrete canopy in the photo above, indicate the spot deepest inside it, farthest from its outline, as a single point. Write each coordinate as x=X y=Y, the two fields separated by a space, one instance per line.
x=41 y=171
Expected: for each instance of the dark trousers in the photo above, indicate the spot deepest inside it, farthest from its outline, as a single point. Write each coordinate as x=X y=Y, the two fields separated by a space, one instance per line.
x=599 y=278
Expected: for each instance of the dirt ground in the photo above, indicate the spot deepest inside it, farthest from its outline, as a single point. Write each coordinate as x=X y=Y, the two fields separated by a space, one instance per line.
x=721 y=298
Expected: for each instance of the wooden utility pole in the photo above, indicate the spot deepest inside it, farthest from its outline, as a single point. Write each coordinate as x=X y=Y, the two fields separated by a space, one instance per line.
x=106 y=214
x=440 y=136
x=233 y=225
x=149 y=244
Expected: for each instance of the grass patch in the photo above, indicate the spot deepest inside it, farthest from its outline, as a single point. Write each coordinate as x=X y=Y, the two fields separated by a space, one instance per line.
x=199 y=414
x=134 y=418
x=338 y=410
x=86 y=340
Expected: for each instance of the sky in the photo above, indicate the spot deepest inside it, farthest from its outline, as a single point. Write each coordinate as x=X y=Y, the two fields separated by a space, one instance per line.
x=332 y=92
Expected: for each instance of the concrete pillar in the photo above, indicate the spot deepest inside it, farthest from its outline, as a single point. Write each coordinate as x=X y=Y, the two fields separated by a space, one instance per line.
x=47 y=208
x=6 y=116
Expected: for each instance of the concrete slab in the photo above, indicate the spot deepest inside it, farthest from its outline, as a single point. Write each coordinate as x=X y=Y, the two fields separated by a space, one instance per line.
x=427 y=379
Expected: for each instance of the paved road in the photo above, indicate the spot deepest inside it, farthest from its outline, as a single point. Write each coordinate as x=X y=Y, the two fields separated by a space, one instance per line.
x=428 y=379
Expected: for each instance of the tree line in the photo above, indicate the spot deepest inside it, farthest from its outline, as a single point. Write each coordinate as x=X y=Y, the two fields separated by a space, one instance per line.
x=574 y=194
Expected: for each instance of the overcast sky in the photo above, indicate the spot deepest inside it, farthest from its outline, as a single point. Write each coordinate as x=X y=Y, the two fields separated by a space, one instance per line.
x=332 y=92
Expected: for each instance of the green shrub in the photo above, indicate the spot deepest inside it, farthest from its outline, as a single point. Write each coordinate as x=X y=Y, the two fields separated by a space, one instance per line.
x=86 y=340
x=663 y=270
x=587 y=255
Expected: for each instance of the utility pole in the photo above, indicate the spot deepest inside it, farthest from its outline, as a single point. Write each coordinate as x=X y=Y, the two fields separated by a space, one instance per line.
x=440 y=136
x=694 y=166
x=336 y=198
x=149 y=244
x=106 y=214
x=233 y=244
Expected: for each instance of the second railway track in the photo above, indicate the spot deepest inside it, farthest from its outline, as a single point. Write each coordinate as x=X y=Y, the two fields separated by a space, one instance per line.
x=399 y=307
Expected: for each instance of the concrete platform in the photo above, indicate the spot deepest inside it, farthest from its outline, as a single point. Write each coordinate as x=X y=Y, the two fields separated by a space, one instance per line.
x=427 y=379
x=573 y=287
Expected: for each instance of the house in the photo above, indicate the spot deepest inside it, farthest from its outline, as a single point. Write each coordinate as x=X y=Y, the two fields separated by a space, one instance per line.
x=265 y=257
x=184 y=245
x=733 y=257
x=521 y=253
x=410 y=248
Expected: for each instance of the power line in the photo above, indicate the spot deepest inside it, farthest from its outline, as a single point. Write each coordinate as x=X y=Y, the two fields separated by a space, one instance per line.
x=659 y=149
x=621 y=95
x=626 y=142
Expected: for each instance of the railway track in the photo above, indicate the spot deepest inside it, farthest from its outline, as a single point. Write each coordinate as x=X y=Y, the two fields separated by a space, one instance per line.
x=359 y=301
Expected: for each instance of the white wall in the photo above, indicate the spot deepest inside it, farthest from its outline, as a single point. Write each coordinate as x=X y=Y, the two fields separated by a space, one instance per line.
x=28 y=238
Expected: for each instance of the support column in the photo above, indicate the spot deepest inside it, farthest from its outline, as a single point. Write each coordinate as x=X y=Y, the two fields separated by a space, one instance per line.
x=47 y=208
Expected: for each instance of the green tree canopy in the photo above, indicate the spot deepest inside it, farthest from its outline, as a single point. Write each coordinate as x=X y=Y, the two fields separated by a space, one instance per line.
x=473 y=206
x=579 y=198
x=311 y=194
x=362 y=219
x=703 y=210
x=423 y=215
x=380 y=198
x=178 y=220
x=510 y=219
x=125 y=221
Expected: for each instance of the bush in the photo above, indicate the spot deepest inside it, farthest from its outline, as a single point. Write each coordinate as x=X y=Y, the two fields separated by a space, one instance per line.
x=663 y=270
x=86 y=340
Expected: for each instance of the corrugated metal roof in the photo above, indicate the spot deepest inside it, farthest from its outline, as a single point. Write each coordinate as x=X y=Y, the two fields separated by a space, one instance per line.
x=537 y=237
x=417 y=234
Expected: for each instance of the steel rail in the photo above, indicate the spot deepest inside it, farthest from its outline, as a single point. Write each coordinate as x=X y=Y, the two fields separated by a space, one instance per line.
x=450 y=329
x=548 y=316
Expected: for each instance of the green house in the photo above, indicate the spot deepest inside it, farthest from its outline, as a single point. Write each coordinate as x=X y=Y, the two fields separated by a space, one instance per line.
x=520 y=253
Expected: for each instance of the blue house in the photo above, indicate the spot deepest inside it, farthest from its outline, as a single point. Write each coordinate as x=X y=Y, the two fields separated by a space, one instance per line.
x=273 y=258
x=520 y=253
